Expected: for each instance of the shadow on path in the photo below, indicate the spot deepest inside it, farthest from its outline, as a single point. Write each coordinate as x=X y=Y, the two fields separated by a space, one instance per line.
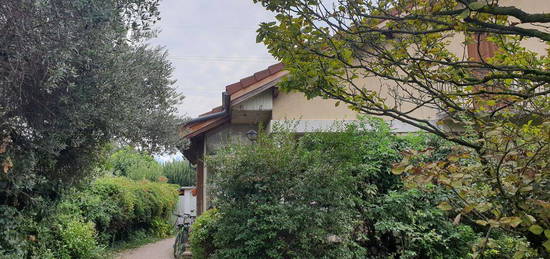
x=159 y=250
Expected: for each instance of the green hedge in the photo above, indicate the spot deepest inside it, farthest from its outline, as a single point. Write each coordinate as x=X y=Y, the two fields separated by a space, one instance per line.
x=202 y=234
x=179 y=172
x=330 y=195
x=84 y=223
x=118 y=205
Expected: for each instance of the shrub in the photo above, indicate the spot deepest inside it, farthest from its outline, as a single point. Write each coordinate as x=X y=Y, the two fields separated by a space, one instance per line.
x=160 y=227
x=134 y=165
x=109 y=210
x=179 y=172
x=77 y=238
x=202 y=234
x=119 y=206
x=501 y=245
x=326 y=195
x=278 y=199
x=408 y=223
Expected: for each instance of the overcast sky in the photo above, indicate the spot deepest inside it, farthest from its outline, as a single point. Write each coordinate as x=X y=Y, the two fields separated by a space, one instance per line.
x=211 y=43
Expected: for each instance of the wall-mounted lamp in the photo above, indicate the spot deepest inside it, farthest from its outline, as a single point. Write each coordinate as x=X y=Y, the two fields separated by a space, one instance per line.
x=252 y=135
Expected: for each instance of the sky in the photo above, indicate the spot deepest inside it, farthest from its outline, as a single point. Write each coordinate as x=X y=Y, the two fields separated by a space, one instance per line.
x=211 y=44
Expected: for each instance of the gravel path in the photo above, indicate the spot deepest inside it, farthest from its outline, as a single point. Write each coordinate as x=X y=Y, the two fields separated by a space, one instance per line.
x=159 y=250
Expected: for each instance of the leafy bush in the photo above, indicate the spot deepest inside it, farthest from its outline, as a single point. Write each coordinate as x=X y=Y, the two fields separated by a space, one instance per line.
x=501 y=245
x=111 y=209
x=278 y=200
x=118 y=205
x=202 y=234
x=160 y=227
x=134 y=165
x=409 y=225
x=326 y=195
x=77 y=238
x=179 y=172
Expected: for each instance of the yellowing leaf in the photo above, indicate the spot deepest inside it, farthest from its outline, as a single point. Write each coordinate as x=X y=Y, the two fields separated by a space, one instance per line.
x=512 y=221
x=526 y=189
x=468 y=208
x=481 y=222
x=6 y=165
x=453 y=158
x=400 y=168
x=444 y=206
x=483 y=207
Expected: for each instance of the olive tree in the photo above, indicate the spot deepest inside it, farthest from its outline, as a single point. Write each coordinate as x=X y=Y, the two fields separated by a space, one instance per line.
x=75 y=76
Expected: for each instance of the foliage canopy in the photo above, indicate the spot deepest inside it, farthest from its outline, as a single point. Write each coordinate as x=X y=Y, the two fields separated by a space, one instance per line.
x=399 y=59
x=74 y=76
x=330 y=194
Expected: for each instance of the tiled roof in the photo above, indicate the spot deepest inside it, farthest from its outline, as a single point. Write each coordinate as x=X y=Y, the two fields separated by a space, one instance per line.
x=258 y=76
x=191 y=130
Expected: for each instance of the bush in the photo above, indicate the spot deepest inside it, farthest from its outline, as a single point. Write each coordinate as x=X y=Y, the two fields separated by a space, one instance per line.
x=77 y=238
x=326 y=195
x=179 y=172
x=134 y=165
x=202 y=234
x=409 y=224
x=119 y=206
x=111 y=209
x=278 y=199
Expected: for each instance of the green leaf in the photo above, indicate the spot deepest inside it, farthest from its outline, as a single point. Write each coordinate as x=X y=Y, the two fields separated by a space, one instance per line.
x=476 y=5
x=546 y=245
x=519 y=254
x=547 y=233
x=260 y=37
x=464 y=14
x=536 y=229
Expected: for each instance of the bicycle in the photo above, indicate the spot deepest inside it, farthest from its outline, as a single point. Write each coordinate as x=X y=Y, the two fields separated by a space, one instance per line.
x=182 y=236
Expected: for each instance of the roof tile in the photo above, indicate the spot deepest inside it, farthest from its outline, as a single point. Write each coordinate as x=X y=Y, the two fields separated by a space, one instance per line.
x=276 y=68
x=247 y=81
x=232 y=88
x=261 y=74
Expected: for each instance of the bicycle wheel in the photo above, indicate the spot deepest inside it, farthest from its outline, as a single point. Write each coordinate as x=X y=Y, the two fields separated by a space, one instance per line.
x=179 y=245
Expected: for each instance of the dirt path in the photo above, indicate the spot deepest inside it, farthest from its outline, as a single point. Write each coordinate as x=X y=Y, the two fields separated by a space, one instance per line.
x=158 y=250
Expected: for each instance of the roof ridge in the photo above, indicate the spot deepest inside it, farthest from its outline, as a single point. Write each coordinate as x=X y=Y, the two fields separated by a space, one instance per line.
x=256 y=77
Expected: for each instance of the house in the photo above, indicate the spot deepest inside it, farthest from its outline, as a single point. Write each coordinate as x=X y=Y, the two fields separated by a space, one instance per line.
x=254 y=101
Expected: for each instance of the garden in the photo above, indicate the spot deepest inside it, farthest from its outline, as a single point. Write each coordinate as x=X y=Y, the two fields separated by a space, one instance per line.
x=335 y=195
x=129 y=203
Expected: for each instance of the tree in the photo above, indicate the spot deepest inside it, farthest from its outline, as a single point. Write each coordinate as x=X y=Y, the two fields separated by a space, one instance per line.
x=75 y=76
x=497 y=98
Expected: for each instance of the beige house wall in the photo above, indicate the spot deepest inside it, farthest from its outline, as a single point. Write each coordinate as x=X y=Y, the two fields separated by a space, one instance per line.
x=531 y=6
x=295 y=105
